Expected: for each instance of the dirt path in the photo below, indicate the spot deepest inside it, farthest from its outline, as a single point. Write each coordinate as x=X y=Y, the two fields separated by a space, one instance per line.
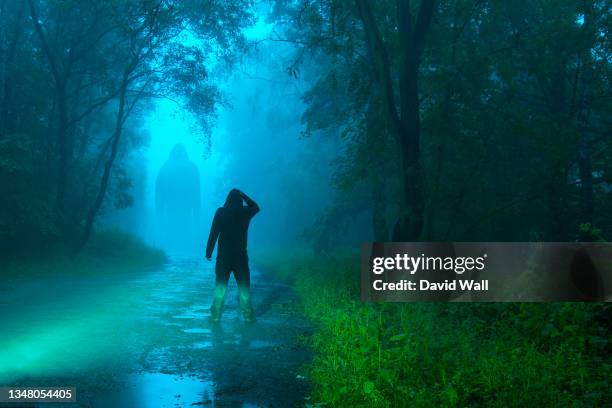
x=157 y=347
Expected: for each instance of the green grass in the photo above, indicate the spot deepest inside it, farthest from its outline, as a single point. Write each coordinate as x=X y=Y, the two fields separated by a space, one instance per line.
x=444 y=354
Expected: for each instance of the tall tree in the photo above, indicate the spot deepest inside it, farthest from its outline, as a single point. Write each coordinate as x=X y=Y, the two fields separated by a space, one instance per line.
x=405 y=123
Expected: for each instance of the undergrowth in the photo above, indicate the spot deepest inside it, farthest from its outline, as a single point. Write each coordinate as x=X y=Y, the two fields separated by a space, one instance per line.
x=108 y=252
x=445 y=354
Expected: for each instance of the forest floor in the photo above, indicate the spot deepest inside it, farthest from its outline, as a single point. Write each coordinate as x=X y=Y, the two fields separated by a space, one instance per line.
x=145 y=339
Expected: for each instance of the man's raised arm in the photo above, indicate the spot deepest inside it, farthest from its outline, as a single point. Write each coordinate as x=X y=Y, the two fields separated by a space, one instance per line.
x=252 y=205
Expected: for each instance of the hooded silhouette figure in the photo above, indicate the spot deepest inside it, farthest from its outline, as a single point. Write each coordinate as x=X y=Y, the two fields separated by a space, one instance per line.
x=230 y=227
x=177 y=202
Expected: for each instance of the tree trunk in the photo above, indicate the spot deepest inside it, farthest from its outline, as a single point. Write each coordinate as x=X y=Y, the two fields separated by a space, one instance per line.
x=379 y=209
x=3 y=63
x=95 y=208
x=60 y=77
x=406 y=124
x=62 y=136
x=412 y=169
x=375 y=142
x=7 y=54
x=586 y=187
x=585 y=168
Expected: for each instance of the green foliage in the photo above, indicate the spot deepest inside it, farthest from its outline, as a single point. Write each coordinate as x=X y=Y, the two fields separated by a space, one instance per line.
x=445 y=354
x=593 y=232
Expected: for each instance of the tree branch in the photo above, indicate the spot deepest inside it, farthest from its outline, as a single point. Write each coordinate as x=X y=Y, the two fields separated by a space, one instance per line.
x=45 y=46
x=379 y=55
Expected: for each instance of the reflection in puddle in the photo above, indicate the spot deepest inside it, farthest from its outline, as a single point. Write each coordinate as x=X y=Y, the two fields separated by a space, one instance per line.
x=189 y=316
x=202 y=344
x=154 y=390
x=171 y=324
x=196 y=330
x=259 y=344
x=167 y=390
x=197 y=308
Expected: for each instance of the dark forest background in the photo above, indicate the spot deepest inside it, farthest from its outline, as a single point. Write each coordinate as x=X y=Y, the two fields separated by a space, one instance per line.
x=478 y=120
x=464 y=120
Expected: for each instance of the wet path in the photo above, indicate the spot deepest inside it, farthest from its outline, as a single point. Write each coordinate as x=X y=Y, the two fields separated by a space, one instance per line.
x=148 y=342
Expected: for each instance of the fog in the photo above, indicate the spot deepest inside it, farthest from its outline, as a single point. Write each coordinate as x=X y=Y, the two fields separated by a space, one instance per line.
x=256 y=144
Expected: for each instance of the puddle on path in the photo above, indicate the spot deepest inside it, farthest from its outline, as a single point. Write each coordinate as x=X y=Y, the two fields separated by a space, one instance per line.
x=189 y=316
x=172 y=324
x=202 y=345
x=197 y=308
x=260 y=344
x=155 y=390
x=197 y=330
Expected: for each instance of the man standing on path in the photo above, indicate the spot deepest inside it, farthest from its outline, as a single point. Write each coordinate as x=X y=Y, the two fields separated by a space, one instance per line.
x=230 y=226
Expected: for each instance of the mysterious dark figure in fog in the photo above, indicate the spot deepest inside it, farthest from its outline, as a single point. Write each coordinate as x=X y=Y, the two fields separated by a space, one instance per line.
x=177 y=202
x=230 y=226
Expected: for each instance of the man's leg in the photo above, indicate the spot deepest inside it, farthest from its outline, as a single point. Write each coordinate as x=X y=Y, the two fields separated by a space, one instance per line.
x=243 y=279
x=222 y=273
